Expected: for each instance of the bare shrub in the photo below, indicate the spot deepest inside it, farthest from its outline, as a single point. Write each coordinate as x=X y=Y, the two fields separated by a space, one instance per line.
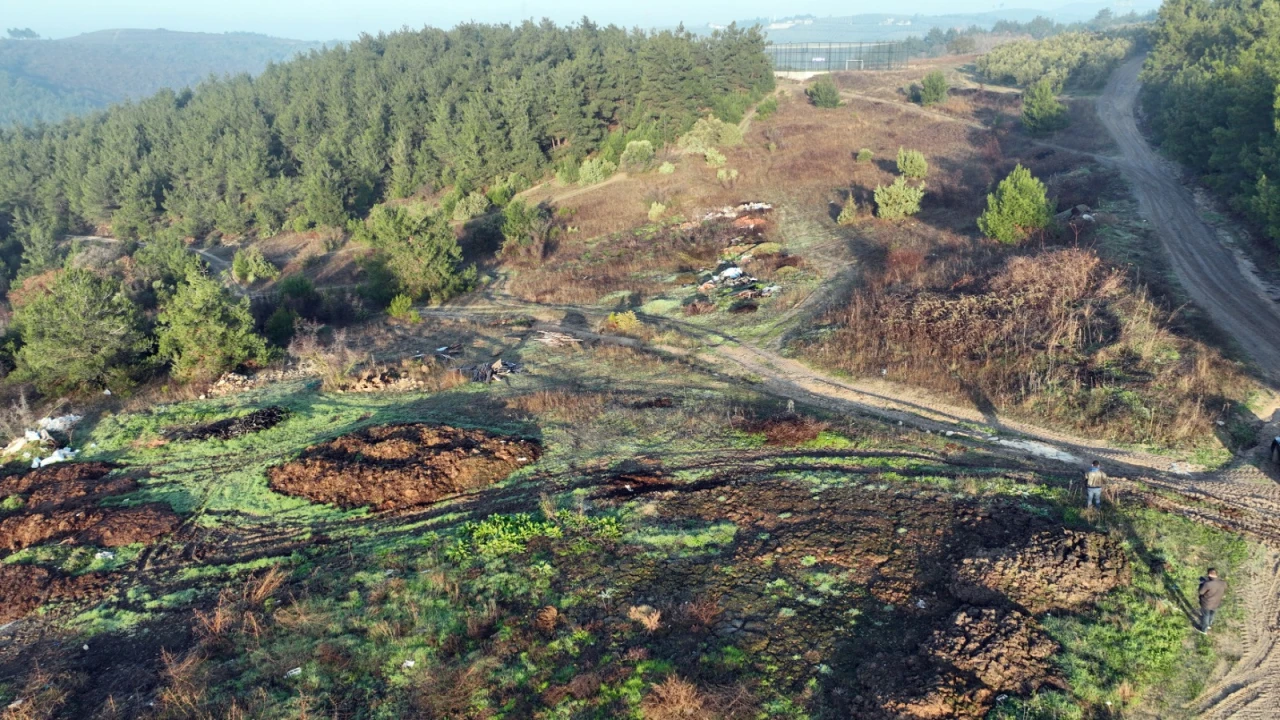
x=675 y=699
x=334 y=361
x=647 y=617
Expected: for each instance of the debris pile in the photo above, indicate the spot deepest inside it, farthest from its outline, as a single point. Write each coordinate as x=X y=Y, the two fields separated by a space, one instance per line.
x=497 y=370
x=556 y=339
x=229 y=428
x=49 y=432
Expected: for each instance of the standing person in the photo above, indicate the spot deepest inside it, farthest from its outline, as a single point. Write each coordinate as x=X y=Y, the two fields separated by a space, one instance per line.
x=1093 y=480
x=1211 y=593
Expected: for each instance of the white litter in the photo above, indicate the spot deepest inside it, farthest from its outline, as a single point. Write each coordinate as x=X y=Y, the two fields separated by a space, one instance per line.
x=31 y=436
x=294 y=672
x=59 y=424
x=86 y=648
x=59 y=455
x=15 y=446
x=1221 y=423
x=732 y=273
x=104 y=555
x=442 y=349
x=106 y=392
x=408 y=664
x=920 y=603
x=1040 y=450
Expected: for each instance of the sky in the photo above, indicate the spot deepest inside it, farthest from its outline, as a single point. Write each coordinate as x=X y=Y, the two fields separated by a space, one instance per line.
x=346 y=19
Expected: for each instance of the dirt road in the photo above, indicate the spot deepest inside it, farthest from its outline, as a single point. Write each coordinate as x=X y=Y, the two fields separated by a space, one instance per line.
x=1210 y=271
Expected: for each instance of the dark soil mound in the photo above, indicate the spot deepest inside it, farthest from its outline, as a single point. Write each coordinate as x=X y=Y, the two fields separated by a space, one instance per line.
x=255 y=421
x=60 y=503
x=23 y=588
x=1054 y=571
x=398 y=466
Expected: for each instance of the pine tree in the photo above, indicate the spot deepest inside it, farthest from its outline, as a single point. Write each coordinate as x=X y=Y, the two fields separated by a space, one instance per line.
x=1041 y=111
x=204 y=331
x=79 y=333
x=1017 y=208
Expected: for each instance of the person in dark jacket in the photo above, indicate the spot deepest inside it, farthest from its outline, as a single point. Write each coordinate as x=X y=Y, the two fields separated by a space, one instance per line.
x=1212 y=590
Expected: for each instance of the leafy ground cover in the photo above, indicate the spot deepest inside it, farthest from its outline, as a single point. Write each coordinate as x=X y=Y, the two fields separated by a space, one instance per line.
x=682 y=547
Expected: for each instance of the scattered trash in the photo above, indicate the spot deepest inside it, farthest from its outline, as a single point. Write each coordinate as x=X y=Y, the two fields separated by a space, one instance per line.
x=85 y=647
x=104 y=555
x=920 y=603
x=499 y=369
x=15 y=704
x=448 y=351
x=15 y=446
x=59 y=424
x=106 y=392
x=59 y=455
x=771 y=290
x=1221 y=423
x=732 y=273
x=294 y=672
x=408 y=664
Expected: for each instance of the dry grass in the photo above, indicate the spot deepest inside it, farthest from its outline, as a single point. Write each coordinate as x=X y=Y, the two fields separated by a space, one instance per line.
x=1057 y=334
x=646 y=617
x=560 y=404
x=675 y=699
x=783 y=430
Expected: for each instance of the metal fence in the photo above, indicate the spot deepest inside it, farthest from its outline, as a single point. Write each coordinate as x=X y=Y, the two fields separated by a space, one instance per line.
x=829 y=57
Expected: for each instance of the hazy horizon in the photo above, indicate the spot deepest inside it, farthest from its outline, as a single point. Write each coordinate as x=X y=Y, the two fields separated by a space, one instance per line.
x=333 y=20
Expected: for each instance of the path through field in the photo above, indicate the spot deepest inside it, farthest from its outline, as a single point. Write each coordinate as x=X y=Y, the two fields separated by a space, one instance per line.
x=1215 y=279
x=1210 y=271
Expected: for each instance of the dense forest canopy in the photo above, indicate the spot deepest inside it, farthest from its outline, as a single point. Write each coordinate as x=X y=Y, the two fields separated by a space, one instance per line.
x=1210 y=89
x=320 y=140
x=1077 y=59
x=50 y=80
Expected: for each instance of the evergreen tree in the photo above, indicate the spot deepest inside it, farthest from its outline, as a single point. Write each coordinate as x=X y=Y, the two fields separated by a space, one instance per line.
x=79 y=333
x=1041 y=111
x=933 y=89
x=422 y=254
x=204 y=331
x=823 y=93
x=1016 y=209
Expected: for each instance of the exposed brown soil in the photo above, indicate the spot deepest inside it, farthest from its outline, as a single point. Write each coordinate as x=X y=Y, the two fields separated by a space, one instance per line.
x=398 y=466
x=229 y=428
x=947 y=617
x=789 y=429
x=61 y=503
x=1003 y=650
x=104 y=527
x=1055 y=571
x=26 y=587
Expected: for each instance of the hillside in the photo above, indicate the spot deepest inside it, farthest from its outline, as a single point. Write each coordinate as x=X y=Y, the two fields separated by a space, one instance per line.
x=47 y=80
x=576 y=373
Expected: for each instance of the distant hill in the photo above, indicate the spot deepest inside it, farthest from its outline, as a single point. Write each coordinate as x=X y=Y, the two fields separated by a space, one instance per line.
x=52 y=79
x=868 y=27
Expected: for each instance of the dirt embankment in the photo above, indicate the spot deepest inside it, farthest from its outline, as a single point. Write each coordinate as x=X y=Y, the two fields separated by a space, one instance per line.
x=398 y=466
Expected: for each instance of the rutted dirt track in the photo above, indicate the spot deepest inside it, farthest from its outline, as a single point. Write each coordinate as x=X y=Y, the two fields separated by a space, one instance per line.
x=1206 y=268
